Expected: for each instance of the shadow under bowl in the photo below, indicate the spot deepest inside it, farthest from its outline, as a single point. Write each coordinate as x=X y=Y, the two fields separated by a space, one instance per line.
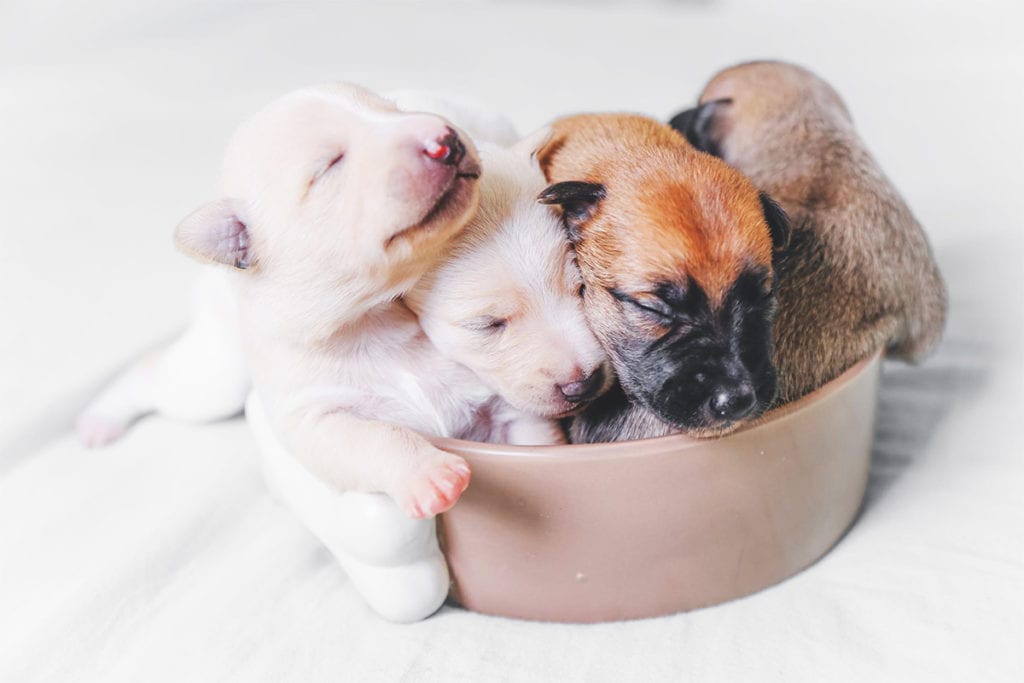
x=633 y=529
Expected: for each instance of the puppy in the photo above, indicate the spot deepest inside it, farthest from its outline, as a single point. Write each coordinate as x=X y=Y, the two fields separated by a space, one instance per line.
x=336 y=204
x=506 y=300
x=675 y=249
x=858 y=274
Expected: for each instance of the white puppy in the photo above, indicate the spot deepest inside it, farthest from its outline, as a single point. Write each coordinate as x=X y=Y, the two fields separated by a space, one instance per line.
x=506 y=301
x=336 y=203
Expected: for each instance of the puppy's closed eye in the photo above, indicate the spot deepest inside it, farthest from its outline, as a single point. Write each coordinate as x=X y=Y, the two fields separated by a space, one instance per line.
x=488 y=324
x=327 y=167
x=650 y=305
x=654 y=306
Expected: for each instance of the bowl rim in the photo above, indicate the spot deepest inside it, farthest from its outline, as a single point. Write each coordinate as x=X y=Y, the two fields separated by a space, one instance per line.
x=660 y=444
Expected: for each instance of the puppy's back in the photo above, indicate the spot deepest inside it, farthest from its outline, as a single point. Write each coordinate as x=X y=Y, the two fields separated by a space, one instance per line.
x=859 y=273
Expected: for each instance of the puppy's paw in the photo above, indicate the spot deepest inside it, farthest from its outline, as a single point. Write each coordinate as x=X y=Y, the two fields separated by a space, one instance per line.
x=433 y=489
x=96 y=430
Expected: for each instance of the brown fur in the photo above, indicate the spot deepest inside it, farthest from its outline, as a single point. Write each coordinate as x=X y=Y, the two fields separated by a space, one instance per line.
x=670 y=213
x=859 y=274
x=671 y=210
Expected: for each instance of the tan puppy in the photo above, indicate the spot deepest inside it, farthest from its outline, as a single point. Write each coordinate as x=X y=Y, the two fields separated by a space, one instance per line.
x=675 y=249
x=858 y=274
x=506 y=302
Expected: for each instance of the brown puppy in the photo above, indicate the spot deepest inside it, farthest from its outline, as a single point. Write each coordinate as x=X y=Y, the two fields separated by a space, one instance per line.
x=858 y=274
x=675 y=248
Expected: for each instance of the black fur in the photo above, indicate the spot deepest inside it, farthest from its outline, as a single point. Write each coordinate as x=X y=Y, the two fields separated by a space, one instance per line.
x=778 y=222
x=705 y=352
x=698 y=126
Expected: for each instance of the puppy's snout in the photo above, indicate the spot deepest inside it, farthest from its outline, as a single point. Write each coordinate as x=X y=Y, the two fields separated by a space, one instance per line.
x=447 y=149
x=732 y=402
x=583 y=389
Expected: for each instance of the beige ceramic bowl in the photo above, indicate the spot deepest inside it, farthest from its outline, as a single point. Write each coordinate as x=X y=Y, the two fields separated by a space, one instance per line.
x=625 y=530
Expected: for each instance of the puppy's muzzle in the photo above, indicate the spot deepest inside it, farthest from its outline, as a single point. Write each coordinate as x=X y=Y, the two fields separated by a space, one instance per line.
x=584 y=389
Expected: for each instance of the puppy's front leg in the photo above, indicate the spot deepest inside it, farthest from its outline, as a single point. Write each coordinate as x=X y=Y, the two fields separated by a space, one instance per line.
x=394 y=561
x=350 y=453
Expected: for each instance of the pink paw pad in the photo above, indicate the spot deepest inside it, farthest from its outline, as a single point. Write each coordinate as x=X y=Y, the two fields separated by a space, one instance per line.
x=95 y=431
x=435 y=490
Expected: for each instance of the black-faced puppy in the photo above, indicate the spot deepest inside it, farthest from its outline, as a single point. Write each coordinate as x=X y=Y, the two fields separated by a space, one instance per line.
x=858 y=274
x=675 y=249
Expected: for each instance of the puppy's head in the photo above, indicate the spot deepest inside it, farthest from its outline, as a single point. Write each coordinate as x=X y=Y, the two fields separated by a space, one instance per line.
x=506 y=303
x=334 y=186
x=755 y=113
x=675 y=249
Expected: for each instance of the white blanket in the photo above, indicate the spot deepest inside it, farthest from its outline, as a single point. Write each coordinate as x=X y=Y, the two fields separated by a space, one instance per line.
x=163 y=558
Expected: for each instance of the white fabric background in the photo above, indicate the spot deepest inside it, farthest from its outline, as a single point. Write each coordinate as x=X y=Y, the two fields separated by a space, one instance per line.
x=163 y=558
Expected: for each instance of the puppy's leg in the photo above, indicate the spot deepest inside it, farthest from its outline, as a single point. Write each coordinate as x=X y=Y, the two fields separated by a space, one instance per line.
x=199 y=377
x=394 y=561
x=350 y=453
x=129 y=397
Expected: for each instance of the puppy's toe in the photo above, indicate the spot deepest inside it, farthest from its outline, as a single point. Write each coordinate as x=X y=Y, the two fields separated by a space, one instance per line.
x=95 y=430
x=435 y=489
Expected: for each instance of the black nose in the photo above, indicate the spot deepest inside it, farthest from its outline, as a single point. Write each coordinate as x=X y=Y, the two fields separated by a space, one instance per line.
x=732 y=402
x=447 y=149
x=584 y=389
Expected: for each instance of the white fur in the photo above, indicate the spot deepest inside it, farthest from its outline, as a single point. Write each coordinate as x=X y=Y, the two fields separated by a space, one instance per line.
x=512 y=263
x=313 y=317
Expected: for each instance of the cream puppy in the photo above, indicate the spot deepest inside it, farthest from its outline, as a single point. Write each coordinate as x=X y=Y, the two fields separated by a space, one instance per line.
x=335 y=204
x=507 y=302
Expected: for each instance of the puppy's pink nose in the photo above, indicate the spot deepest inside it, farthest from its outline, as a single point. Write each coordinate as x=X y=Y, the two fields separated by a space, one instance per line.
x=447 y=149
x=436 y=151
x=583 y=389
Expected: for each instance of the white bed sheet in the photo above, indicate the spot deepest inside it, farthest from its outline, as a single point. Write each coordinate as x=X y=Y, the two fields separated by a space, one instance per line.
x=163 y=558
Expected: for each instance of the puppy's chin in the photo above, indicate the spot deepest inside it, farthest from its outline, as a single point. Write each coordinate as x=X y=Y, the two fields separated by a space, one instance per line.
x=691 y=414
x=713 y=432
x=706 y=430
x=557 y=407
x=552 y=410
x=453 y=209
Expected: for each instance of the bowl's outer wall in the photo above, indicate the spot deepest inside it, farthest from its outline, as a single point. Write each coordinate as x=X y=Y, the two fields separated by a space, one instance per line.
x=584 y=540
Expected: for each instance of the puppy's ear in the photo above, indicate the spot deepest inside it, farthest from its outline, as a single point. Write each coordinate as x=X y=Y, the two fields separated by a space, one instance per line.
x=531 y=144
x=697 y=125
x=778 y=222
x=215 y=233
x=579 y=201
